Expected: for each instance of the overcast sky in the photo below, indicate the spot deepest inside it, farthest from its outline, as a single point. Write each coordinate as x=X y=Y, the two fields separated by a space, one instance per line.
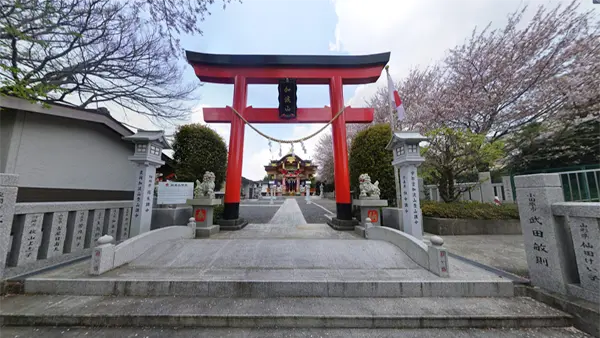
x=416 y=32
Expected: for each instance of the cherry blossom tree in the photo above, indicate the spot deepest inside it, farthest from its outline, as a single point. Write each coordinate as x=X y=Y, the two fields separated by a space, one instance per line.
x=423 y=95
x=502 y=79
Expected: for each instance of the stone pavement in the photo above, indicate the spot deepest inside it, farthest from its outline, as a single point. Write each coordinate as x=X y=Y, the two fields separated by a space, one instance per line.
x=504 y=252
x=291 y=279
x=260 y=211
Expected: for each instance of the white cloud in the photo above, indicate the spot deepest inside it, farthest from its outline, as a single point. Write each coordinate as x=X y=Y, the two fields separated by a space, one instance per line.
x=416 y=32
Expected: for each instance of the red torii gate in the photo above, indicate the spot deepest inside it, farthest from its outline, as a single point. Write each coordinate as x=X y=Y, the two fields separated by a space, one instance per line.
x=242 y=70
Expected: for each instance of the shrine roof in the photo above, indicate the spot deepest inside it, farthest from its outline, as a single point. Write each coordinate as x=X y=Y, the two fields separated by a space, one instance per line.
x=291 y=61
x=306 y=69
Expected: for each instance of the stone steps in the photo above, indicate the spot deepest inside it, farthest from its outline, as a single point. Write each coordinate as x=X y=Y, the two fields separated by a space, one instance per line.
x=307 y=312
x=71 y=332
x=267 y=288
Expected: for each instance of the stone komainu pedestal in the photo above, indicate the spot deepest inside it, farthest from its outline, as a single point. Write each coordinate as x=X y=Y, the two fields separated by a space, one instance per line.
x=203 y=211
x=370 y=208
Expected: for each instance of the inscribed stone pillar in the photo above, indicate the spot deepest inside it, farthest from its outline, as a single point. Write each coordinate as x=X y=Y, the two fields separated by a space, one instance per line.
x=123 y=233
x=142 y=200
x=113 y=222
x=407 y=157
x=148 y=150
x=8 y=198
x=76 y=230
x=411 y=205
x=97 y=228
x=28 y=239
x=508 y=191
x=56 y=230
x=545 y=236
x=586 y=239
x=487 y=189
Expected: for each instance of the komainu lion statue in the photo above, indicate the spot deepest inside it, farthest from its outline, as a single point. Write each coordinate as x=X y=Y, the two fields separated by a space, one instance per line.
x=368 y=189
x=207 y=187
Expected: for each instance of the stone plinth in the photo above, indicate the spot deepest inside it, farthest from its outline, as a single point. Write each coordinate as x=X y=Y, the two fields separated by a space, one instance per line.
x=166 y=217
x=342 y=224
x=203 y=209
x=392 y=218
x=370 y=208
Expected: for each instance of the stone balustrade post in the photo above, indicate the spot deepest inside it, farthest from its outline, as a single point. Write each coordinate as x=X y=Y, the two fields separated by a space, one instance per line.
x=103 y=256
x=508 y=191
x=8 y=199
x=487 y=189
x=548 y=244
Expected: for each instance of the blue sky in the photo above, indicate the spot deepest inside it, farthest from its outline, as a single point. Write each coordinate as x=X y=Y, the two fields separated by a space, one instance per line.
x=416 y=32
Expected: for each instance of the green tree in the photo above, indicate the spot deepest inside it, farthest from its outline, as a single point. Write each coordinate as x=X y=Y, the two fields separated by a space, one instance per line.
x=369 y=156
x=452 y=153
x=542 y=146
x=198 y=149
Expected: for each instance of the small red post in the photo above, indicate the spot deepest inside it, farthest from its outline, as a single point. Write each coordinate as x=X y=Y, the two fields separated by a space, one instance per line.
x=340 y=151
x=236 y=152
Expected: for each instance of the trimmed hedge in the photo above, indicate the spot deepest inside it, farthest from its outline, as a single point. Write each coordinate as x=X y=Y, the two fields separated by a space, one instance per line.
x=197 y=149
x=469 y=210
x=218 y=212
x=368 y=156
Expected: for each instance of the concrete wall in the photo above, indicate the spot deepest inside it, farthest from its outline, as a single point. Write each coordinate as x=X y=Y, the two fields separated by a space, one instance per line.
x=7 y=121
x=56 y=152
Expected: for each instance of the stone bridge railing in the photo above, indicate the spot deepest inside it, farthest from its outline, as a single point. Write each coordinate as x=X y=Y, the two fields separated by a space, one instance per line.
x=35 y=235
x=561 y=238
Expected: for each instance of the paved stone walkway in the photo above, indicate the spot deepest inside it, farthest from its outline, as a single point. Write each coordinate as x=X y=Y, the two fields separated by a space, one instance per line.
x=289 y=213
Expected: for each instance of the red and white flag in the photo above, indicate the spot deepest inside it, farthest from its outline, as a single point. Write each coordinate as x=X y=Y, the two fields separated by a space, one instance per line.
x=395 y=97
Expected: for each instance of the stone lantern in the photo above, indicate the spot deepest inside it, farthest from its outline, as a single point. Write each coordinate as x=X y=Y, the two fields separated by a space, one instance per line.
x=149 y=145
x=407 y=157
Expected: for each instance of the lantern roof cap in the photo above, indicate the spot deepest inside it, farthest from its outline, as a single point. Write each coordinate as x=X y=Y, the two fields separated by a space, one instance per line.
x=149 y=136
x=400 y=137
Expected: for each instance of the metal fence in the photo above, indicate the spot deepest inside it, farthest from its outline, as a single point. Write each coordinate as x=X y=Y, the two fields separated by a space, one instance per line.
x=581 y=185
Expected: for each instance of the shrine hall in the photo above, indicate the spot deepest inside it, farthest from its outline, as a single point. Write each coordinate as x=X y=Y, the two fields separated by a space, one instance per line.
x=290 y=172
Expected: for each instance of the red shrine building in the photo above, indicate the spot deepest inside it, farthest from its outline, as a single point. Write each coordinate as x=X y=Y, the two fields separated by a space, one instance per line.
x=288 y=71
x=290 y=172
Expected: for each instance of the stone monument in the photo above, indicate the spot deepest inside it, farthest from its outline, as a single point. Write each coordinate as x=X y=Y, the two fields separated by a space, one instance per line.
x=547 y=246
x=407 y=158
x=307 y=189
x=149 y=145
x=203 y=205
x=369 y=202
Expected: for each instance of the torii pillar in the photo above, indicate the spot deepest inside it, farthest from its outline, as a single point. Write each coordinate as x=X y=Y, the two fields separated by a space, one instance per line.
x=241 y=70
